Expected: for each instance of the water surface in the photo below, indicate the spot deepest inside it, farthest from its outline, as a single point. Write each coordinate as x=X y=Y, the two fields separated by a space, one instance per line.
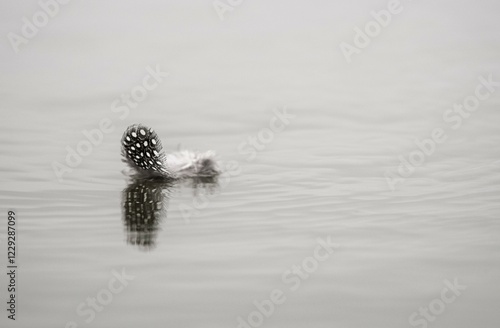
x=214 y=249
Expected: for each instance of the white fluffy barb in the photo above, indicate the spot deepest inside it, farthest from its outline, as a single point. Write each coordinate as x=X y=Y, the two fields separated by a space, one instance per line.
x=142 y=151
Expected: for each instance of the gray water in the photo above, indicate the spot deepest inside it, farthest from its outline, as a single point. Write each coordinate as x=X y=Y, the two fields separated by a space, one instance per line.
x=400 y=234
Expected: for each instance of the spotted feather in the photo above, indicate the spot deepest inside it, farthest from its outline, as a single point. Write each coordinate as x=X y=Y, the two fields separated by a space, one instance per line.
x=142 y=150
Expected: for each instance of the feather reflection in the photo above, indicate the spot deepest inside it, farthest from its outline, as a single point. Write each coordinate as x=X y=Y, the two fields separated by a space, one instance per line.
x=145 y=203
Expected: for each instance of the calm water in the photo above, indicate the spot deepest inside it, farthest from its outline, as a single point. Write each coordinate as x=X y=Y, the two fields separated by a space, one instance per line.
x=212 y=249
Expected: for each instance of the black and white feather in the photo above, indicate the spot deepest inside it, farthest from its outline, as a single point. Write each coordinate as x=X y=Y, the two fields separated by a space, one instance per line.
x=142 y=151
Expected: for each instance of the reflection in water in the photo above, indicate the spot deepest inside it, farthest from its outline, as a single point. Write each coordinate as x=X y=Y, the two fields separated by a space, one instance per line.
x=145 y=200
x=207 y=184
x=145 y=203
